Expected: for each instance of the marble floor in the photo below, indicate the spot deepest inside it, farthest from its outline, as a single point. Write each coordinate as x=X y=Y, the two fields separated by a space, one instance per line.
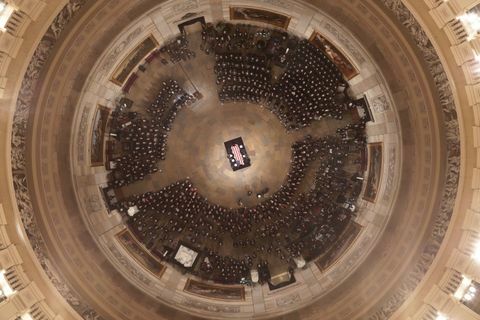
x=195 y=143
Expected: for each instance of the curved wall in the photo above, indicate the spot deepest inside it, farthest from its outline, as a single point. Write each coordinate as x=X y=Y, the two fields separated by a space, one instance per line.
x=311 y=282
x=333 y=306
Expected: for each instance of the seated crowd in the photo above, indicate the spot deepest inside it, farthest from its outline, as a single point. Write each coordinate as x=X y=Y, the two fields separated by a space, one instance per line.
x=178 y=50
x=308 y=84
x=143 y=141
x=243 y=77
x=302 y=219
x=293 y=222
x=228 y=38
x=307 y=89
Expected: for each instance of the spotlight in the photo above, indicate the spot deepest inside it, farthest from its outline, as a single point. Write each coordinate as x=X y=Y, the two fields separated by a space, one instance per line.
x=4 y=285
x=476 y=253
x=441 y=317
x=26 y=316
x=468 y=297
x=5 y=13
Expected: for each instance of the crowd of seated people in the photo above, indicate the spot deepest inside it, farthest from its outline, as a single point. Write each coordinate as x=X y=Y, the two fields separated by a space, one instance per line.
x=243 y=77
x=296 y=221
x=224 y=36
x=177 y=49
x=142 y=145
x=168 y=102
x=143 y=139
x=324 y=212
x=225 y=269
x=292 y=222
x=227 y=38
x=182 y=198
x=306 y=88
x=161 y=103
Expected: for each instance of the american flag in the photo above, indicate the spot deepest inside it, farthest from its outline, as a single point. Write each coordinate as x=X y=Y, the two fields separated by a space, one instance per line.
x=237 y=154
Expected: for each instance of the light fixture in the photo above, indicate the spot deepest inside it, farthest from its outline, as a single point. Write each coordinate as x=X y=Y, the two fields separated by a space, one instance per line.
x=469 y=293
x=6 y=11
x=5 y=286
x=462 y=288
x=441 y=317
x=476 y=55
x=468 y=297
x=471 y=22
x=476 y=253
x=26 y=316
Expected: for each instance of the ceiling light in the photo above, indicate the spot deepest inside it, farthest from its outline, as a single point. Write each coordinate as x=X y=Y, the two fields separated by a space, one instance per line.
x=471 y=22
x=5 y=286
x=476 y=253
x=468 y=297
x=5 y=13
x=26 y=316
x=476 y=55
x=462 y=288
x=441 y=317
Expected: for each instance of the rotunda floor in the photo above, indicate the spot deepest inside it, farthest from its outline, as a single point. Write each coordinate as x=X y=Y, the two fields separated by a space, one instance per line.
x=195 y=143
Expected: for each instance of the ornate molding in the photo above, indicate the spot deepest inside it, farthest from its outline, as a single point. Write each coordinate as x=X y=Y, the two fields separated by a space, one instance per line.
x=210 y=307
x=288 y=300
x=340 y=37
x=442 y=219
x=18 y=144
x=112 y=57
x=82 y=135
x=129 y=266
x=389 y=184
x=390 y=304
x=380 y=104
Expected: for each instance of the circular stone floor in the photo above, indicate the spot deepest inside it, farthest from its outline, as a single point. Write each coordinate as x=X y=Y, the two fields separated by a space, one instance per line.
x=196 y=150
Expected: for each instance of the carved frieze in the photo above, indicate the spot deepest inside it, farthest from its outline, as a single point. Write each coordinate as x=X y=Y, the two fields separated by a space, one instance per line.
x=113 y=56
x=22 y=113
x=391 y=304
x=389 y=185
x=288 y=300
x=82 y=135
x=210 y=307
x=442 y=219
x=380 y=104
x=346 y=43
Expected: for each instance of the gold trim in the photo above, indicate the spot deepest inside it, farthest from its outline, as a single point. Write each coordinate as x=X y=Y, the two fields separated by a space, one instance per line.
x=284 y=26
x=356 y=72
x=99 y=108
x=126 y=230
x=214 y=286
x=371 y=146
x=360 y=228
x=120 y=67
